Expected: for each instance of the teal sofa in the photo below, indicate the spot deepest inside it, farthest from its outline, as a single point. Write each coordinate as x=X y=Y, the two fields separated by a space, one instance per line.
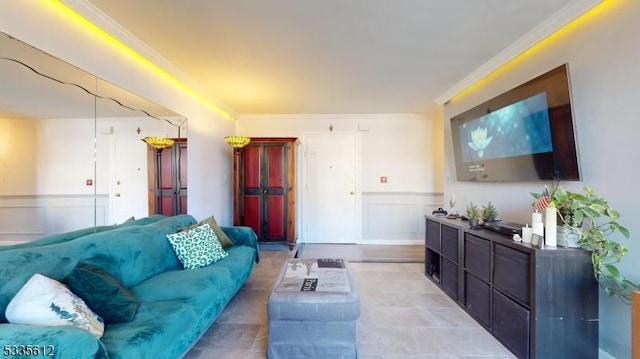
x=177 y=306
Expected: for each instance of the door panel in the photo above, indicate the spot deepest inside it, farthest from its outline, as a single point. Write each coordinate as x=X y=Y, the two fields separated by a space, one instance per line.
x=275 y=216
x=252 y=212
x=330 y=193
x=275 y=167
x=129 y=182
x=251 y=168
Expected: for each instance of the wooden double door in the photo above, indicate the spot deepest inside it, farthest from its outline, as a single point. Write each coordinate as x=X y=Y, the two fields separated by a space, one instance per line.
x=264 y=188
x=167 y=179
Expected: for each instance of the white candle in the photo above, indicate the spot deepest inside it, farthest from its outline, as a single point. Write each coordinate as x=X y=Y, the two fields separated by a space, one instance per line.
x=551 y=225
x=536 y=217
x=538 y=228
x=527 y=233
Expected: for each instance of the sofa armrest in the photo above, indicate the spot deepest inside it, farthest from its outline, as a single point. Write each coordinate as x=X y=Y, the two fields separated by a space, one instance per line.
x=18 y=341
x=243 y=236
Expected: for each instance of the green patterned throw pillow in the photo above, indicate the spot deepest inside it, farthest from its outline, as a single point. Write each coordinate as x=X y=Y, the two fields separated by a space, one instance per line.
x=222 y=237
x=197 y=247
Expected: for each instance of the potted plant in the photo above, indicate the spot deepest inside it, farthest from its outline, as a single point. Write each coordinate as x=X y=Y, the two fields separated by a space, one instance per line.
x=489 y=212
x=594 y=222
x=473 y=215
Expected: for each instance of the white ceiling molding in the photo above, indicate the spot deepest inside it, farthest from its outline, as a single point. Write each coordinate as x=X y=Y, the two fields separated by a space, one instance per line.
x=567 y=14
x=107 y=24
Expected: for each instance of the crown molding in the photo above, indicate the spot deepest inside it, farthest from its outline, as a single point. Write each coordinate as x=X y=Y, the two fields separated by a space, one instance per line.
x=552 y=24
x=92 y=13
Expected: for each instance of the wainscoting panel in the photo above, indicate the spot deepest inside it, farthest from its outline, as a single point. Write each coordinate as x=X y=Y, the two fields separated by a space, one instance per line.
x=396 y=217
x=25 y=218
x=392 y=217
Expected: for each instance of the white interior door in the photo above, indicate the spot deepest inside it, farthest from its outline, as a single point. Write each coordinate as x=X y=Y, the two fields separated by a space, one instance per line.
x=330 y=189
x=129 y=192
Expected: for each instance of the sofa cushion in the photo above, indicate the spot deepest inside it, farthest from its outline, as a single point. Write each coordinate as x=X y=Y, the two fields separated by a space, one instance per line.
x=53 y=341
x=158 y=331
x=197 y=247
x=44 y=301
x=184 y=285
x=211 y=221
x=103 y=293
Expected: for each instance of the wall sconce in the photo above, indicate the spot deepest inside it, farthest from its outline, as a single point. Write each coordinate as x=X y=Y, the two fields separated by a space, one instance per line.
x=237 y=141
x=159 y=143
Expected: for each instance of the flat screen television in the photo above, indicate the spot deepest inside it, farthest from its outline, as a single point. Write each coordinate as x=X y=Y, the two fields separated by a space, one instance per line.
x=524 y=134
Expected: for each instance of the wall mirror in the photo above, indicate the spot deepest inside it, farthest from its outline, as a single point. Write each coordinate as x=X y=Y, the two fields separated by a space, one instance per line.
x=71 y=149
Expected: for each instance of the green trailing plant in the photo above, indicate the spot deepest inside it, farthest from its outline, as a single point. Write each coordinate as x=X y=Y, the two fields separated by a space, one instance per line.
x=595 y=222
x=489 y=212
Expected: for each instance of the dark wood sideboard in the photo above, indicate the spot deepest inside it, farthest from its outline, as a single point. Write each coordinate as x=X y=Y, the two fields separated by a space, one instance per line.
x=540 y=303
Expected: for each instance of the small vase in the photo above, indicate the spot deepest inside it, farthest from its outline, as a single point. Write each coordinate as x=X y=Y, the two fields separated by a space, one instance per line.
x=567 y=237
x=473 y=223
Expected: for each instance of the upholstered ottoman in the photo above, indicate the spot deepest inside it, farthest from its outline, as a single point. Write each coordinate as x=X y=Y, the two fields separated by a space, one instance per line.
x=312 y=311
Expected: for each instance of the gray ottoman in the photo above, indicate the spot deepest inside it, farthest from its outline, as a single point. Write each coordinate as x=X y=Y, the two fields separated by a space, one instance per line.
x=312 y=311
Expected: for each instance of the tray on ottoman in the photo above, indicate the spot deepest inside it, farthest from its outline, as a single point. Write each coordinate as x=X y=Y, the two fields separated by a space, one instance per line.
x=312 y=311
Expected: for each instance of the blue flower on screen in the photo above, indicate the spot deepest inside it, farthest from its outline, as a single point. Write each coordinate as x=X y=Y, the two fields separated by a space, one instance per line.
x=479 y=140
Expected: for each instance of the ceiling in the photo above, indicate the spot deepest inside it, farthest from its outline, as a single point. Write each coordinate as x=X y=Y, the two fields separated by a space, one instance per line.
x=328 y=56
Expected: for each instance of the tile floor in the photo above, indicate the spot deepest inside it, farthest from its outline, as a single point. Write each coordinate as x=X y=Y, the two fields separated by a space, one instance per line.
x=403 y=315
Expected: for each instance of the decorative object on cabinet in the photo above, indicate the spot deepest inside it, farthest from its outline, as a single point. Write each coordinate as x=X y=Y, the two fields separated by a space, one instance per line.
x=590 y=217
x=473 y=215
x=538 y=303
x=452 y=204
x=489 y=212
x=264 y=188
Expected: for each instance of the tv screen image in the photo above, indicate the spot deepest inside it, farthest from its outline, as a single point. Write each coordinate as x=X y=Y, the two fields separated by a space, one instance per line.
x=521 y=128
x=525 y=134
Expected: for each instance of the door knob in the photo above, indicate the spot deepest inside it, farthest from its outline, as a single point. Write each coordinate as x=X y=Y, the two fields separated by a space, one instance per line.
x=352 y=193
x=117 y=194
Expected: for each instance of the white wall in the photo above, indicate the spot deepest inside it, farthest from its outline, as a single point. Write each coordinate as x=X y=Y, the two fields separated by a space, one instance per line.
x=407 y=149
x=44 y=167
x=17 y=172
x=603 y=55
x=209 y=161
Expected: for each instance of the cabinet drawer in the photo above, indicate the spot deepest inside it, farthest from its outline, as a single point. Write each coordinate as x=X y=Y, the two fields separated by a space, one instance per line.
x=511 y=272
x=477 y=256
x=433 y=235
x=449 y=243
x=477 y=298
x=449 y=280
x=510 y=324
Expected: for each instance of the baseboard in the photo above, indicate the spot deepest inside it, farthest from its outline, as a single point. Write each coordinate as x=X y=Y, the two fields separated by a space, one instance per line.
x=399 y=242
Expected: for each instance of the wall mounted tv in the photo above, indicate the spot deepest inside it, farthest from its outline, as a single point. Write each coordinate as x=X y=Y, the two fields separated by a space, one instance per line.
x=525 y=134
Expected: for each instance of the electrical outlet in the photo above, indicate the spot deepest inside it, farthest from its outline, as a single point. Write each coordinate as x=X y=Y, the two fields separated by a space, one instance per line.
x=383 y=179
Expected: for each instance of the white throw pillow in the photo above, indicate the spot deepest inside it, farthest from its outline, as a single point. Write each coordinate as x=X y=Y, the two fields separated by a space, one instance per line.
x=44 y=301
